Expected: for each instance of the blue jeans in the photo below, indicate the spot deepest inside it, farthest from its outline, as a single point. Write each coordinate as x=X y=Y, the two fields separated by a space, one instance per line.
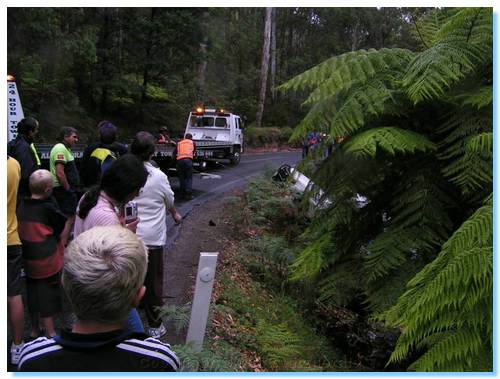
x=134 y=323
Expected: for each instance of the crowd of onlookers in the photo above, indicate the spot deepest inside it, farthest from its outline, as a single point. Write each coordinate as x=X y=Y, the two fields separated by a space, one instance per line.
x=89 y=250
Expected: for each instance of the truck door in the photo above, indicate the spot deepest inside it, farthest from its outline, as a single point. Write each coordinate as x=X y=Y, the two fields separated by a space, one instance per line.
x=238 y=132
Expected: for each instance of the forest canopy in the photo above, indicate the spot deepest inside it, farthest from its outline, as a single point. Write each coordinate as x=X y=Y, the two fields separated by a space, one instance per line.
x=142 y=67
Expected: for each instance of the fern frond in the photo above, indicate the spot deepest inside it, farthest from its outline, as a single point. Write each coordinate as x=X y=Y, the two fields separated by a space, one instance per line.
x=481 y=145
x=389 y=139
x=363 y=69
x=342 y=283
x=179 y=315
x=340 y=72
x=479 y=98
x=277 y=344
x=387 y=252
x=383 y=292
x=448 y=354
x=448 y=292
x=311 y=260
x=468 y=170
x=425 y=29
x=317 y=119
x=468 y=24
x=435 y=70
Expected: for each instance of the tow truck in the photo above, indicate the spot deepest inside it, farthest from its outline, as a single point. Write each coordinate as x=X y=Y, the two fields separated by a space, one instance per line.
x=218 y=134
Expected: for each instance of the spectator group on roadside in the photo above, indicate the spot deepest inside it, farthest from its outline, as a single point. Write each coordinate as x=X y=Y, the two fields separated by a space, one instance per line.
x=85 y=248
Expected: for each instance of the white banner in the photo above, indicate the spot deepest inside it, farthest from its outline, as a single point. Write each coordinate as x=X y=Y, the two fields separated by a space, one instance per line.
x=14 y=110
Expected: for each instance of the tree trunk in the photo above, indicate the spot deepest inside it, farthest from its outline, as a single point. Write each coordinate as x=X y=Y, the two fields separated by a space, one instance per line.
x=264 y=68
x=202 y=67
x=273 y=54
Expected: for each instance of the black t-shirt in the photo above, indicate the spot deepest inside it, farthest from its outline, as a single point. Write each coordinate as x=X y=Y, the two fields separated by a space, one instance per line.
x=100 y=352
x=20 y=150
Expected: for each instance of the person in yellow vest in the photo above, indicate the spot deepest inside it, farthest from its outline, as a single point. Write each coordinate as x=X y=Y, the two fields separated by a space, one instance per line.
x=185 y=154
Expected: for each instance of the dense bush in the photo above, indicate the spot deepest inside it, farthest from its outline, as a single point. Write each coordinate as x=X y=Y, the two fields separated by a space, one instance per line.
x=267 y=136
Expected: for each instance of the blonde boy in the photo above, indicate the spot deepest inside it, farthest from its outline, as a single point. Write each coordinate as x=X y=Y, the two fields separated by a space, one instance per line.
x=40 y=227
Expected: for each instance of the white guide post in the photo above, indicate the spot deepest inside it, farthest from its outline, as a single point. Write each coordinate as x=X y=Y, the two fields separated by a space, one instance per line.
x=201 y=300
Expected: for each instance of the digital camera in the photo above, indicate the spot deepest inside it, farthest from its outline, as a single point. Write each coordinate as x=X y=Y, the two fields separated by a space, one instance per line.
x=130 y=212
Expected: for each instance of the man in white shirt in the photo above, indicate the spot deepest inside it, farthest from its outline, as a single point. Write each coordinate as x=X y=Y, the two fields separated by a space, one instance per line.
x=153 y=202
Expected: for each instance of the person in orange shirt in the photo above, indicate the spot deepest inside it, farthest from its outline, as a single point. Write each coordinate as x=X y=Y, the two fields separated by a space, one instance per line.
x=185 y=154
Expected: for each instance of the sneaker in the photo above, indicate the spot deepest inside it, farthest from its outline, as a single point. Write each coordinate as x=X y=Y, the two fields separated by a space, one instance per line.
x=15 y=352
x=157 y=332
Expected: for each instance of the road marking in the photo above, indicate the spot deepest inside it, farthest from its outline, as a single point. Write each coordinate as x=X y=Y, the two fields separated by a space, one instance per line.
x=205 y=175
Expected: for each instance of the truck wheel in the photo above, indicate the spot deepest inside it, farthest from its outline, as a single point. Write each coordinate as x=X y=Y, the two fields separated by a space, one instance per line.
x=235 y=157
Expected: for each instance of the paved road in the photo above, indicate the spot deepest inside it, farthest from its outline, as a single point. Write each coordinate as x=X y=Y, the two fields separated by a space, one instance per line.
x=221 y=178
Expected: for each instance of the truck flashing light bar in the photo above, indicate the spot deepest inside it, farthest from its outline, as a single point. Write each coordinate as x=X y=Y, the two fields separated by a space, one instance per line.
x=200 y=111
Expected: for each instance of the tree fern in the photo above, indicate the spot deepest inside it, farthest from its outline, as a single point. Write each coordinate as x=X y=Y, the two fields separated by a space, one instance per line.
x=435 y=70
x=478 y=98
x=470 y=169
x=369 y=74
x=422 y=178
x=426 y=28
x=311 y=260
x=447 y=294
x=481 y=144
x=389 y=139
x=468 y=24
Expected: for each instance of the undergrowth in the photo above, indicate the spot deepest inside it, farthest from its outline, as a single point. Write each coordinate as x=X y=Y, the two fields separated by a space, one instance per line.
x=260 y=315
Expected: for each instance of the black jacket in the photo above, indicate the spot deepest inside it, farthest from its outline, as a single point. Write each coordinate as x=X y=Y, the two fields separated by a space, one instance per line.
x=100 y=352
x=90 y=169
x=20 y=150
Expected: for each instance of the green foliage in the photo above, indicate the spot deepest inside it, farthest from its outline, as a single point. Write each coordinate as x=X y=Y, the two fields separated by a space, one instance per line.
x=268 y=257
x=177 y=315
x=422 y=178
x=274 y=328
x=448 y=305
x=470 y=170
x=278 y=345
x=220 y=357
x=266 y=136
x=363 y=81
x=460 y=46
x=389 y=139
x=269 y=205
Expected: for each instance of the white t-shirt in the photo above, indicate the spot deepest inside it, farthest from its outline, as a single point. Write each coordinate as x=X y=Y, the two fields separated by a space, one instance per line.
x=153 y=203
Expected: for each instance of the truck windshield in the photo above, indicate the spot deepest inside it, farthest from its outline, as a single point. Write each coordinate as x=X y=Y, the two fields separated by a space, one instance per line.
x=208 y=121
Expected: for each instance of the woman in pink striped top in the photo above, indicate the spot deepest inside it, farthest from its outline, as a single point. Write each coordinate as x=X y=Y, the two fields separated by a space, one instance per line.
x=104 y=205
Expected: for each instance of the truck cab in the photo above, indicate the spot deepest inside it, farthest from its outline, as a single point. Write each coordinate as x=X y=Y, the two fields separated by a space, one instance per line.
x=217 y=133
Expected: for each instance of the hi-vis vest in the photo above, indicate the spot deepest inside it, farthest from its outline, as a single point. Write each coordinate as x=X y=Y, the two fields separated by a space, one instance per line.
x=105 y=157
x=185 y=149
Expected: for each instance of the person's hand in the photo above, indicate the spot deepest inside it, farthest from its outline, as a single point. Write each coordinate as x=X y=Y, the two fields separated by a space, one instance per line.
x=132 y=226
x=177 y=218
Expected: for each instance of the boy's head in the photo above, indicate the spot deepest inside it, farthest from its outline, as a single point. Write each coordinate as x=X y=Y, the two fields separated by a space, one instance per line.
x=41 y=183
x=103 y=275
